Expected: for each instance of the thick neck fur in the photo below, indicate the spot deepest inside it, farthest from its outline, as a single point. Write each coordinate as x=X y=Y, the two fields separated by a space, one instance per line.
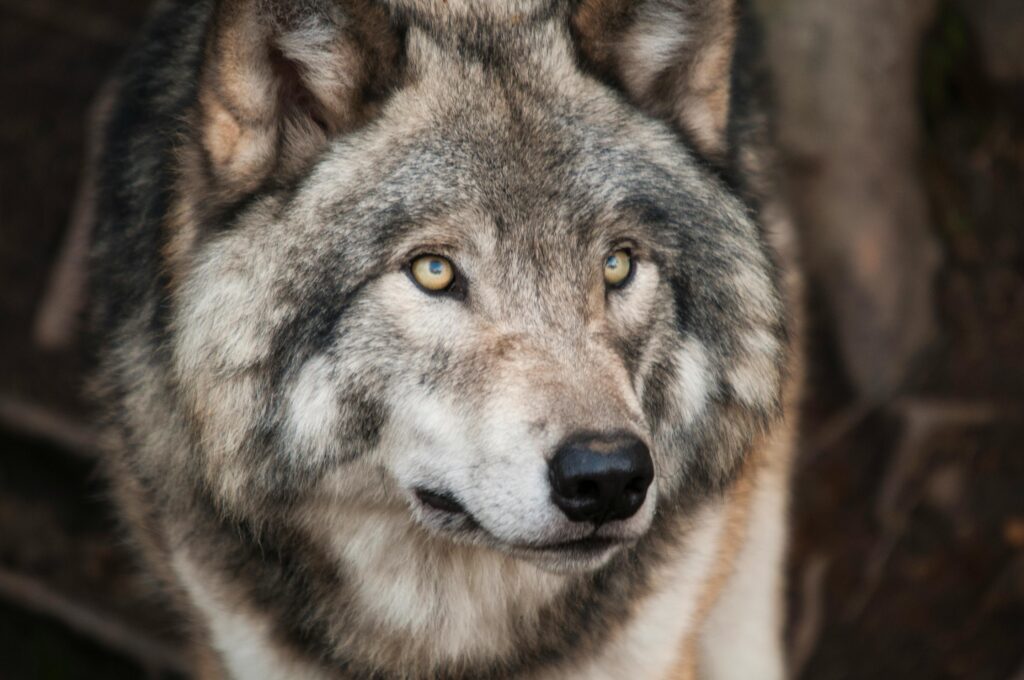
x=400 y=603
x=444 y=600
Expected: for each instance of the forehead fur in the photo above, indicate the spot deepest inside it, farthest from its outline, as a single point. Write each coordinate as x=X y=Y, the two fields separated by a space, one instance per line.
x=517 y=132
x=475 y=10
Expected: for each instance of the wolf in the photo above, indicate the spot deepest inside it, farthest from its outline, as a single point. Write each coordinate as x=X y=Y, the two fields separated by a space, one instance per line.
x=450 y=338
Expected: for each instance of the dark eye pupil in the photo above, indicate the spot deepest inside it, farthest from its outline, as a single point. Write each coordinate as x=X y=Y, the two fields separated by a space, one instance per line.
x=613 y=262
x=436 y=267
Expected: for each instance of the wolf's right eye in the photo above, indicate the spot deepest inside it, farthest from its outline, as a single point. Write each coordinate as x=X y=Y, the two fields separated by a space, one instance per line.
x=433 y=273
x=617 y=268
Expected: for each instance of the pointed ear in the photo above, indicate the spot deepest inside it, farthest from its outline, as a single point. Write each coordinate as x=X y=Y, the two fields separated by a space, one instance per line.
x=281 y=77
x=673 y=58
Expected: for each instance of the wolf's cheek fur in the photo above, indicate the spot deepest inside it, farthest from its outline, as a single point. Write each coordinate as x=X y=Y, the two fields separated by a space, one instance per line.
x=226 y=314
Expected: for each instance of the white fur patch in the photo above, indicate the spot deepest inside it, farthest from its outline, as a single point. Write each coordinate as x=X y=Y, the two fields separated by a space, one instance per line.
x=693 y=380
x=755 y=376
x=216 y=328
x=313 y=411
x=494 y=466
x=243 y=642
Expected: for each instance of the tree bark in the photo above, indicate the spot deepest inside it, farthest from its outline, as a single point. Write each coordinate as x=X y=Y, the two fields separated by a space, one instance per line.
x=849 y=129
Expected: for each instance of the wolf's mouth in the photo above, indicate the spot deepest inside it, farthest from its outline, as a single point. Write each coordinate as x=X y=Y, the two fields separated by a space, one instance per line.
x=440 y=501
x=585 y=548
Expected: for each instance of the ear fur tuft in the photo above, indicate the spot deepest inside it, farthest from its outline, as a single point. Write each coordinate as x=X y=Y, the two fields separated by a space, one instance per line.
x=282 y=77
x=673 y=58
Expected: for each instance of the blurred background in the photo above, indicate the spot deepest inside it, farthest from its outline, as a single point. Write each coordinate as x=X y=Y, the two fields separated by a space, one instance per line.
x=901 y=127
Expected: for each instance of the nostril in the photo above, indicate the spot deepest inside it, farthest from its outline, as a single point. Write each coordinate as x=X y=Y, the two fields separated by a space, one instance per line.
x=586 y=489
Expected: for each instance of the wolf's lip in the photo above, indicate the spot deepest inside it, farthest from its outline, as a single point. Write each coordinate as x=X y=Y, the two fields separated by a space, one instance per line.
x=591 y=544
x=585 y=548
x=440 y=501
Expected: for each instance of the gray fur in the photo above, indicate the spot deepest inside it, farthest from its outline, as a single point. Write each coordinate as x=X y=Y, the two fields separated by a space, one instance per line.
x=277 y=388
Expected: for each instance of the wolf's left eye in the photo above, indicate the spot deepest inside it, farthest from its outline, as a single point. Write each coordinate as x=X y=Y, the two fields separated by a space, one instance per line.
x=617 y=268
x=433 y=273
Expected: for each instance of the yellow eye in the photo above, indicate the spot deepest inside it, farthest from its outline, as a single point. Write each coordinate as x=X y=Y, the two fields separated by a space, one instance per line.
x=617 y=268
x=433 y=272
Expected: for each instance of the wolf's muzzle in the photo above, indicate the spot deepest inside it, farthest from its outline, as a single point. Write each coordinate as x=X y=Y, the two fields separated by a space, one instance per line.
x=600 y=478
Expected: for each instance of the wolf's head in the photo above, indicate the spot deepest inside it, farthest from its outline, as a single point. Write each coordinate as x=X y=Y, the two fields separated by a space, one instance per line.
x=465 y=264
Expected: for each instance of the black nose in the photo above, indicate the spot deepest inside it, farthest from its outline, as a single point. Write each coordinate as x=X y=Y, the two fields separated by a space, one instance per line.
x=600 y=478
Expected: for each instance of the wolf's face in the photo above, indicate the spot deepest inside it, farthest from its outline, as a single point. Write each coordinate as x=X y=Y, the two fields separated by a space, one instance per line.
x=508 y=305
